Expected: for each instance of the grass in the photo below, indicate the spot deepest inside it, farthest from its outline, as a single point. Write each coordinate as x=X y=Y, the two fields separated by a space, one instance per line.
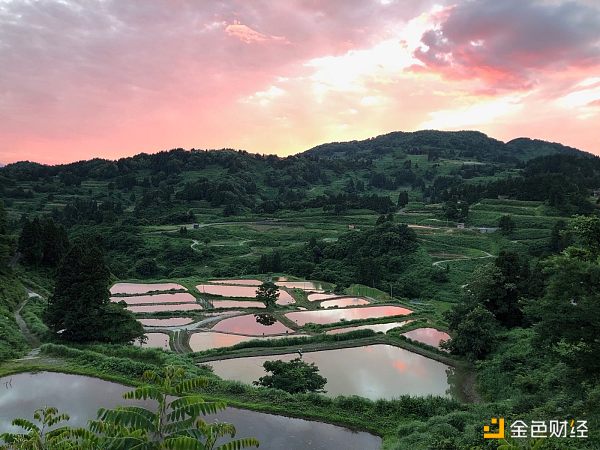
x=12 y=342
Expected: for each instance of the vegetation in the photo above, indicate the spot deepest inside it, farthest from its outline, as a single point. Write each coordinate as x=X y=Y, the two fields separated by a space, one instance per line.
x=295 y=376
x=80 y=309
x=399 y=218
x=268 y=293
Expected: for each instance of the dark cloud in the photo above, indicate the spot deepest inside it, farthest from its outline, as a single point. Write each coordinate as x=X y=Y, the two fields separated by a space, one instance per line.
x=508 y=42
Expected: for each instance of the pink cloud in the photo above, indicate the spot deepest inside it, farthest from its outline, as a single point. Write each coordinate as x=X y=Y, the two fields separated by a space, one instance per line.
x=246 y=34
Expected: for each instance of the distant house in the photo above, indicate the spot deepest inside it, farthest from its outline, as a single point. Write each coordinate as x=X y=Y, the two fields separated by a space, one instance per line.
x=351 y=226
x=503 y=197
x=487 y=229
x=196 y=226
x=460 y=225
x=596 y=193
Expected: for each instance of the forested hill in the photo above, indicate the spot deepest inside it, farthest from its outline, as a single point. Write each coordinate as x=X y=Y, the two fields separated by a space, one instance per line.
x=443 y=144
x=380 y=175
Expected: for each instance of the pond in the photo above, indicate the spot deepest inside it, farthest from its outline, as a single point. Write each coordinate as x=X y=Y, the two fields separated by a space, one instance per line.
x=244 y=282
x=161 y=308
x=429 y=336
x=81 y=397
x=155 y=340
x=253 y=325
x=304 y=285
x=143 y=288
x=376 y=327
x=320 y=296
x=179 y=297
x=241 y=291
x=166 y=322
x=374 y=371
x=344 y=302
x=206 y=340
x=336 y=315
x=237 y=304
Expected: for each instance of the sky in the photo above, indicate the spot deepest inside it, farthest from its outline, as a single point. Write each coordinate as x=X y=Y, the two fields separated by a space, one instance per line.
x=113 y=78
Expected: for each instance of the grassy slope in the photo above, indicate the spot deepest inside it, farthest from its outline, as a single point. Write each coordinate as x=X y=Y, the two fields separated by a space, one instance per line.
x=12 y=293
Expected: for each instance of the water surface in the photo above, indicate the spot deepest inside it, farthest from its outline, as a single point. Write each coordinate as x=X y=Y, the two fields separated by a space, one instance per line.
x=161 y=308
x=375 y=371
x=179 y=297
x=206 y=340
x=237 y=304
x=336 y=315
x=321 y=296
x=143 y=288
x=244 y=282
x=81 y=397
x=429 y=336
x=166 y=322
x=344 y=302
x=155 y=340
x=376 y=327
x=240 y=291
x=304 y=285
x=252 y=324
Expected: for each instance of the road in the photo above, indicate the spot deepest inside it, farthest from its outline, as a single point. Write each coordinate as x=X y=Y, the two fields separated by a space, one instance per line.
x=31 y=339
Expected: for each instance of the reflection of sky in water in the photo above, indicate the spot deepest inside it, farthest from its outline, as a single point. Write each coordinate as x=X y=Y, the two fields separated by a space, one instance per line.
x=236 y=304
x=167 y=322
x=375 y=371
x=142 y=288
x=233 y=281
x=429 y=336
x=343 y=302
x=81 y=397
x=331 y=316
x=159 y=308
x=240 y=291
x=377 y=327
x=206 y=340
x=305 y=285
x=248 y=325
x=178 y=297
x=155 y=340
x=316 y=297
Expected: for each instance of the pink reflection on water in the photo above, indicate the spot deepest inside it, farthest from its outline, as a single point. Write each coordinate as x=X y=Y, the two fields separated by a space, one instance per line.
x=248 y=282
x=429 y=336
x=160 y=308
x=336 y=315
x=376 y=327
x=166 y=322
x=143 y=288
x=237 y=304
x=344 y=302
x=305 y=285
x=155 y=340
x=317 y=297
x=248 y=325
x=179 y=297
x=240 y=291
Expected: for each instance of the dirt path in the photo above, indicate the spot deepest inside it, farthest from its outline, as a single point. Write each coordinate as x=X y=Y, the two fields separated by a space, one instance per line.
x=31 y=339
x=487 y=255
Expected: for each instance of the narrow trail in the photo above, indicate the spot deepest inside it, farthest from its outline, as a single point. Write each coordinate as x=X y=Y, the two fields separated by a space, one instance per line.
x=487 y=255
x=31 y=339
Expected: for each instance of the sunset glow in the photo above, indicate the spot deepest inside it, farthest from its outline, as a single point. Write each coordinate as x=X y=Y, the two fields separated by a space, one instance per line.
x=109 y=78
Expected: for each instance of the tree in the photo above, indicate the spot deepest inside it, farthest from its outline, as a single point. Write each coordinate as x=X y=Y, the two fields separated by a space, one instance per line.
x=506 y=224
x=80 y=308
x=30 y=245
x=295 y=376
x=474 y=335
x=402 y=199
x=6 y=245
x=268 y=293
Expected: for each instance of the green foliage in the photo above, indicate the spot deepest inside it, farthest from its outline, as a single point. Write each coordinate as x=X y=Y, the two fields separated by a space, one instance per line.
x=474 y=335
x=295 y=376
x=80 y=309
x=43 y=242
x=506 y=224
x=12 y=342
x=268 y=293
